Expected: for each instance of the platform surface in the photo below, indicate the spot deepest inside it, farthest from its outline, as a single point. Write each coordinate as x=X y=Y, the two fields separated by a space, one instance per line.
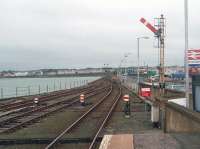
x=120 y=141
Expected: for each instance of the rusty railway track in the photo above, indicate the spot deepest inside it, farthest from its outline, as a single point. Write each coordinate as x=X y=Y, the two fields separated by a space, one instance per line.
x=28 y=117
x=30 y=105
x=57 y=99
x=103 y=120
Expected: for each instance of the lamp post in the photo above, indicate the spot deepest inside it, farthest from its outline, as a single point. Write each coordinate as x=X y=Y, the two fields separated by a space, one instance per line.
x=106 y=67
x=119 y=69
x=138 y=60
x=187 y=89
x=122 y=60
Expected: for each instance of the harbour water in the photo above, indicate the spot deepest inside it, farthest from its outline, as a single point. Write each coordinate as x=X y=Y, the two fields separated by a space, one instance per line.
x=13 y=87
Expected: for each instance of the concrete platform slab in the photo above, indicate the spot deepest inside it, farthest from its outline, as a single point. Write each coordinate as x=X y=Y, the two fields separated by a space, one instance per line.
x=120 y=141
x=155 y=140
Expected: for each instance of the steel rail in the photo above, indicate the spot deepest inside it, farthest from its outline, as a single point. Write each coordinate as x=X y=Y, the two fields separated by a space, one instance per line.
x=17 y=111
x=78 y=120
x=106 y=119
x=44 y=98
x=47 y=113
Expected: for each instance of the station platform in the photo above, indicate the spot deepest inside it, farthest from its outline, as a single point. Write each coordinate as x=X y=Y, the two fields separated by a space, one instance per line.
x=155 y=139
x=119 y=141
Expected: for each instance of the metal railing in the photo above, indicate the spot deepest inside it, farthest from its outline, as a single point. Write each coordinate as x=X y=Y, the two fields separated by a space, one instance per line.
x=39 y=89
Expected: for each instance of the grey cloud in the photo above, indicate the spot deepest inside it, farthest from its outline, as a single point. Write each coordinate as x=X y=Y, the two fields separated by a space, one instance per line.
x=49 y=33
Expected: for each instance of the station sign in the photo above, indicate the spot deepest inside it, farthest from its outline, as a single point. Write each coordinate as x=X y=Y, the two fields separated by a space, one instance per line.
x=194 y=57
x=145 y=92
x=194 y=61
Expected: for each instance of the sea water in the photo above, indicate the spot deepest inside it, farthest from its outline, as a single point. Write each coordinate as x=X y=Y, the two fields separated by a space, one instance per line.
x=12 y=87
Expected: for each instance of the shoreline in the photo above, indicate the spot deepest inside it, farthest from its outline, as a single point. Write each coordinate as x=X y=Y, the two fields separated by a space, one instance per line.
x=53 y=76
x=36 y=90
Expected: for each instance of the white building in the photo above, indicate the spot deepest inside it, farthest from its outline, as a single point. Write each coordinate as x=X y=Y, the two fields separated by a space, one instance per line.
x=65 y=71
x=21 y=74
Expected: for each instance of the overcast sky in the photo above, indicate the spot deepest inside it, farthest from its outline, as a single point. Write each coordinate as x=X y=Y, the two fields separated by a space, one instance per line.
x=38 y=34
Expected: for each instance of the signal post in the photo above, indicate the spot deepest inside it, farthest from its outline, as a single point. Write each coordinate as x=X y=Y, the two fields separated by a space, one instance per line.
x=82 y=99
x=127 y=110
x=159 y=31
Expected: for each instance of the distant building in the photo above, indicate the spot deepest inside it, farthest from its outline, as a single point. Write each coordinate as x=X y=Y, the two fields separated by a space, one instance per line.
x=35 y=73
x=54 y=72
x=173 y=69
x=7 y=74
x=65 y=71
x=49 y=72
x=21 y=74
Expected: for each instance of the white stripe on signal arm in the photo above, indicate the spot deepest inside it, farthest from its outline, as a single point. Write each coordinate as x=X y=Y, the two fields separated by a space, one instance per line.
x=126 y=99
x=146 y=23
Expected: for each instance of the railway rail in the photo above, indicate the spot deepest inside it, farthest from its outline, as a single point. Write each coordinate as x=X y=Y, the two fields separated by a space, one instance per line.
x=23 y=118
x=103 y=114
x=104 y=107
x=13 y=108
x=24 y=106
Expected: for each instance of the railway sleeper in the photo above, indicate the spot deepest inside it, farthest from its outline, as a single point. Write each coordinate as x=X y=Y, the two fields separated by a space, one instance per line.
x=46 y=141
x=33 y=119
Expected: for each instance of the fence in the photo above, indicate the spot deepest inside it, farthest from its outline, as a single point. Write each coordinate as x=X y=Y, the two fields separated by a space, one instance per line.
x=33 y=90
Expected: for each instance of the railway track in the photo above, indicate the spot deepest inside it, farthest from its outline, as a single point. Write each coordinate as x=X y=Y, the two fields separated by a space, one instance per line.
x=14 y=108
x=85 y=131
x=99 y=113
x=20 y=119
x=57 y=94
x=24 y=106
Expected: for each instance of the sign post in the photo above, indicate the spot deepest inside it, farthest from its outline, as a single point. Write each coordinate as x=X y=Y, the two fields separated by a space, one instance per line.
x=193 y=61
x=36 y=101
x=127 y=110
x=196 y=92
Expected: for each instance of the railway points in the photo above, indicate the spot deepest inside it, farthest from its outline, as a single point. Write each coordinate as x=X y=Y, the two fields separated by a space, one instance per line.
x=26 y=116
x=76 y=126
